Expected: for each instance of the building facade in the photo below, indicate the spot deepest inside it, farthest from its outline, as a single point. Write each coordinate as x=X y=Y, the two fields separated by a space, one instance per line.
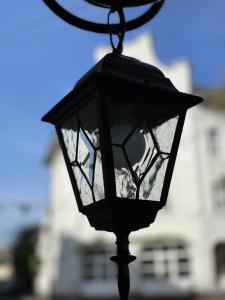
x=182 y=254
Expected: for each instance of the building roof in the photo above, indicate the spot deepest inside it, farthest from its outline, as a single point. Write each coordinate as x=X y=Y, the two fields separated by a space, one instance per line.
x=214 y=97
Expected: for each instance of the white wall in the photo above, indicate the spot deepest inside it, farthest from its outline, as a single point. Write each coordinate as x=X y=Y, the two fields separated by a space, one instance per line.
x=188 y=217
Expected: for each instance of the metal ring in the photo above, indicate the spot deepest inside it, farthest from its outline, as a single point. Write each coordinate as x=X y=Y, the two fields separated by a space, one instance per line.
x=103 y=28
x=120 y=3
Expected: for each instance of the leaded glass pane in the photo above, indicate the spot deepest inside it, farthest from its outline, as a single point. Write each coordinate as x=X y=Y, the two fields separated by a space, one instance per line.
x=80 y=134
x=85 y=156
x=98 y=185
x=122 y=120
x=69 y=133
x=151 y=186
x=164 y=134
x=140 y=149
x=125 y=186
x=142 y=135
x=88 y=120
x=83 y=186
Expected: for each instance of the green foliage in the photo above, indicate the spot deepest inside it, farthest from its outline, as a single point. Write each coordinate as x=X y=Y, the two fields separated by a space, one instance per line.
x=25 y=261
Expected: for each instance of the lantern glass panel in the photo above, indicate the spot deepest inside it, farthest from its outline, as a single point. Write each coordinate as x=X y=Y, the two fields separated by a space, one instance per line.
x=142 y=135
x=83 y=185
x=69 y=132
x=81 y=139
x=85 y=156
x=98 y=184
x=88 y=122
x=164 y=134
x=125 y=184
x=151 y=186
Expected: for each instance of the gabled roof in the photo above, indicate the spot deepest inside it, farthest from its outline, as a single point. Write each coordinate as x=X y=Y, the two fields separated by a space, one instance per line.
x=214 y=97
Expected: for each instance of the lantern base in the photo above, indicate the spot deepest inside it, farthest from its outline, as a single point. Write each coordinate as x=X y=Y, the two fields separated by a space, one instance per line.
x=126 y=214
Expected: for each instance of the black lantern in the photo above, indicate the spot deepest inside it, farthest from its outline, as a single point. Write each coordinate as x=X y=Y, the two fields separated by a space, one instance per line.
x=119 y=130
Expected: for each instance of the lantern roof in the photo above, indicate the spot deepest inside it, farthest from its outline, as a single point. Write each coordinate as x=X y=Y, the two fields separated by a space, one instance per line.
x=128 y=70
x=127 y=67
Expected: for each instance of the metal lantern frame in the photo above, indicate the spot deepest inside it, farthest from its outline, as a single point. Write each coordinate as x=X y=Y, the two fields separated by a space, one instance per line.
x=116 y=72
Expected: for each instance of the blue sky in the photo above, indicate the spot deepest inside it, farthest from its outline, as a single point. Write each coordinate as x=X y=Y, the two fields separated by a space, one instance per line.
x=41 y=58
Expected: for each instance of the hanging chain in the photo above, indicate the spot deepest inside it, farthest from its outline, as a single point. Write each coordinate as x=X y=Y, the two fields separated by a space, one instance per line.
x=121 y=30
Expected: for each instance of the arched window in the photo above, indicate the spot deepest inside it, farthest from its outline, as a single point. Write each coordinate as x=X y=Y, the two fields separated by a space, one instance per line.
x=165 y=260
x=220 y=261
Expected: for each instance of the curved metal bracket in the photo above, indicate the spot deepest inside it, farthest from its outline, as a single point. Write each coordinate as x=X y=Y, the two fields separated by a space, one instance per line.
x=104 y=28
x=119 y=3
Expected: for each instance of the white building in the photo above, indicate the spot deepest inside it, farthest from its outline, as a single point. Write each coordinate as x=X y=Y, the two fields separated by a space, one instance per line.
x=182 y=253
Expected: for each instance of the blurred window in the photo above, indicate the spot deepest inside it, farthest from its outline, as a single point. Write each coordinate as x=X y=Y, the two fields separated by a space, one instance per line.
x=219 y=196
x=220 y=261
x=165 y=261
x=213 y=141
x=96 y=264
